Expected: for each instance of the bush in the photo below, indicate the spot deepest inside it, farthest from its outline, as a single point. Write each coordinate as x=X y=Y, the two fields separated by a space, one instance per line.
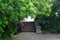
x=48 y=24
x=44 y=11
x=49 y=17
x=11 y=12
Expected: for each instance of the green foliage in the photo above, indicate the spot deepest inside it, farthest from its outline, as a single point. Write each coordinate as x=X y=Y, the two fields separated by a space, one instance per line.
x=43 y=7
x=11 y=12
x=50 y=23
x=56 y=8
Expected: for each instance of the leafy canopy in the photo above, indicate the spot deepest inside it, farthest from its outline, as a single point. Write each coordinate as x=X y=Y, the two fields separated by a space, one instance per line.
x=11 y=12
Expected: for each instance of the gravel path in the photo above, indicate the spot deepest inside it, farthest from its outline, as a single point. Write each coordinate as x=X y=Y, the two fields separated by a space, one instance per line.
x=34 y=36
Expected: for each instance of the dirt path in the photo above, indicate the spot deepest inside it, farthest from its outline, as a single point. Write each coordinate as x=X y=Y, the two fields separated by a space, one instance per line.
x=34 y=36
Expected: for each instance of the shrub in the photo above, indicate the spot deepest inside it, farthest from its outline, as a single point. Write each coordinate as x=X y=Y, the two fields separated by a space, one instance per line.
x=11 y=12
x=49 y=24
x=49 y=18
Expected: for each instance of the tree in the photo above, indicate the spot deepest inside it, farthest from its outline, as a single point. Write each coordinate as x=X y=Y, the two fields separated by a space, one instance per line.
x=43 y=7
x=56 y=14
x=50 y=23
x=11 y=12
x=56 y=8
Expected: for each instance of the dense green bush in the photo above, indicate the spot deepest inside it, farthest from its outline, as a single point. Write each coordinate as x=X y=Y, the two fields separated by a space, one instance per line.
x=51 y=23
x=44 y=9
x=11 y=12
